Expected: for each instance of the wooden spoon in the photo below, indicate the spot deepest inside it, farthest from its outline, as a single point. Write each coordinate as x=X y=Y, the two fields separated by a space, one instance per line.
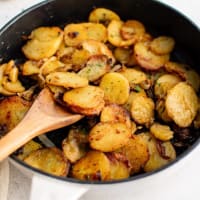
x=43 y=116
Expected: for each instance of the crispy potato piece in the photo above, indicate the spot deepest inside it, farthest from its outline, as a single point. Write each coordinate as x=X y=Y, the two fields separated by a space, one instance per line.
x=115 y=113
x=123 y=55
x=119 y=168
x=28 y=148
x=132 y=29
x=51 y=65
x=50 y=160
x=161 y=110
x=30 y=67
x=43 y=43
x=133 y=76
x=193 y=79
x=142 y=109
x=160 y=153
x=161 y=132
x=76 y=33
x=93 y=166
x=102 y=15
x=87 y=100
x=109 y=136
x=164 y=83
x=66 y=79
x=12 y=110
x=182 y=104
x=136 y=151
x=80 y=57
x=116 y=88
x=75 y=145
x=132 y=94
x=162 y=45
x=146 y=37
x=147 y=59
x=96 y=67
x=114 y=34
x=98 y=48
x=12 y=86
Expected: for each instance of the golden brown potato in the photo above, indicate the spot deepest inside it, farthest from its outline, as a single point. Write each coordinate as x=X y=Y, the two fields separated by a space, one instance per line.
x=115 y=113
x=142 y=109
x=136 y=151
x=109 y=136
x=74 y=34
x=12 y=86
x=147 y=59
x=50 y=160
x=161 y=110
x=95 y=68
x=114 y=34
x=124 y=55
x=51 y=65
x=164 y=83
x=162 y=45
x=87 y=100
x=98 y=48
x=12 y=110
x=75 y=145
x=133 y=76
x=119 y=168
x=66 y=79
x=161 y=132
x=28 y=148
x=93 y=166
x=116 y=88
x=132 y=29
x=161 y=153
x=102 y=15
x=193 y=79
x=182 y=104
x=43 y=43
x=30 y=67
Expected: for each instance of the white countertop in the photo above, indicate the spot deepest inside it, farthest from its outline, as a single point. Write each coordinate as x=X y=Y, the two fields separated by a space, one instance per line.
x=186 y=182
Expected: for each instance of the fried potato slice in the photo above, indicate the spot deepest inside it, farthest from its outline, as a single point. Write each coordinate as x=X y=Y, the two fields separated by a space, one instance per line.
x=161 y=132
x=30 y=67
x=95 y=68
x=164 y=83
x=66 y=79
x=74 y=34
x=86 y=100
x=102 y=15
x=147 y=59
x=109 y=136
x=136 y=151
x=162 y=111
x=50 y=160
x=142 y=109
x=28 y=148
x=182 y=104
x=94 y=166
x=161 y=153
x=51 y=65
x=162 y=45
x=12 y=110
x=12 y=86
x=119 y=166
x=116 y=88
x=132 y=29
x=114 y=34
x=98 y=48
x=43 y=43
x=115 y=113
x=123 y=55
x=134 y=76
x=75 y=144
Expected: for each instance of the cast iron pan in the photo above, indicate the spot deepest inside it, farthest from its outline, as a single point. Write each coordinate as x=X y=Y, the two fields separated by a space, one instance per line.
x=158 y=18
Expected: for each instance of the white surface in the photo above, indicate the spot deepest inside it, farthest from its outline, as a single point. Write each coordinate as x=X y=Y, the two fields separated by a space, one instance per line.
x=185 y=183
